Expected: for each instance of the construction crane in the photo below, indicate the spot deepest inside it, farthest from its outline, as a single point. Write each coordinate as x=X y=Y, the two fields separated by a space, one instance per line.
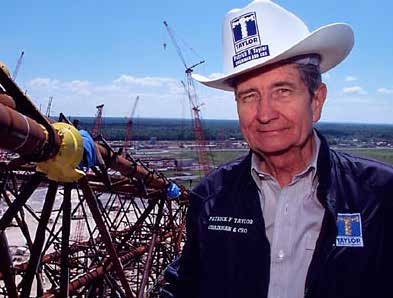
x=48 y=108
x=97 y=122
x=195 y=106
x=127 y=138
x=17 y=67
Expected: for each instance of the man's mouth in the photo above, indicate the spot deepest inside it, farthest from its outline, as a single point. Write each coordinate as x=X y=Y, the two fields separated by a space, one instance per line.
x=270 y=131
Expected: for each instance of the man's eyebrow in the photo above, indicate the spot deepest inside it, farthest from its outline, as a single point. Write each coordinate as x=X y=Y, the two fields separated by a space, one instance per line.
x=283 y=84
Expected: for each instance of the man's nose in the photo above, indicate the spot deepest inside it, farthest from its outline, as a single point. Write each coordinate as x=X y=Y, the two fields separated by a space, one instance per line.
x=266 y=111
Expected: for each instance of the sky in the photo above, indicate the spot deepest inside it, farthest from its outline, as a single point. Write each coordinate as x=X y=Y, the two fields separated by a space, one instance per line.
x=84 y=53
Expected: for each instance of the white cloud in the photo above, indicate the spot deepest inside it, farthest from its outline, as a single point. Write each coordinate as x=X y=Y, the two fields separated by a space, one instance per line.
x=162 y=97
x=79 y=87
x=41 y=83
x=385 y=91
x=350 y=78
x=146 y=81
x=354 y=90
x=176 y=88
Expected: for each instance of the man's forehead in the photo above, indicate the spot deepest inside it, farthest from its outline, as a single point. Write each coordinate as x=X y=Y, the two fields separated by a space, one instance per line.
x=287 y=71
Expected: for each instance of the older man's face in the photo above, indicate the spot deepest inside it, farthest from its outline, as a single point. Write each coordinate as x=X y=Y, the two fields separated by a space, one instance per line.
x=276 y=111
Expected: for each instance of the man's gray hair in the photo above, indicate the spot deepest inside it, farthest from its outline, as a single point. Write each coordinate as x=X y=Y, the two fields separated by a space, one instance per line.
x=311 y=76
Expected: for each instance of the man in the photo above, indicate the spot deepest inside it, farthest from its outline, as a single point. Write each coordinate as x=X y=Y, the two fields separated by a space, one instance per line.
x=293 y=218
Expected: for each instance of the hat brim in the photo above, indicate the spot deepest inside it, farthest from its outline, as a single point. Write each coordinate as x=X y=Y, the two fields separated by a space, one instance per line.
x=331 y=42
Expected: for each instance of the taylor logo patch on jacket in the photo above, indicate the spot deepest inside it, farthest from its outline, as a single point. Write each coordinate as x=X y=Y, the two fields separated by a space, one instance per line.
x=349 y=227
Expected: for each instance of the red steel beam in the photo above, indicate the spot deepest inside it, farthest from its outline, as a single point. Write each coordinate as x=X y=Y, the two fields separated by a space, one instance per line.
x=82 y=245
x=132 y=169
x=21 y=134
x=99 y=271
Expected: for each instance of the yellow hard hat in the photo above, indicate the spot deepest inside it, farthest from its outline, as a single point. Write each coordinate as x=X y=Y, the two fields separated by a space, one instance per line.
x=5 y=68
x=63 y=166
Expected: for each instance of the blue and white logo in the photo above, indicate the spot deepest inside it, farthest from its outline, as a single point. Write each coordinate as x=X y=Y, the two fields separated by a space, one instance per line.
x=246 y=39
x=245 y=32
x=349 y=227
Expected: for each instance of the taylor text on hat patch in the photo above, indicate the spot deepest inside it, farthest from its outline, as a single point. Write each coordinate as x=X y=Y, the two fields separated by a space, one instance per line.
x=349 y=226
x=246 y=39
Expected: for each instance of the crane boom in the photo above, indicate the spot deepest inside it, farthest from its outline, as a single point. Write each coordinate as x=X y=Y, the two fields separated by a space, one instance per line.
x=204 y=162
x=172 y=36
x=17 y=67
x=127 y=138
x=97 y=122
x=134 y=107
x=48 y=108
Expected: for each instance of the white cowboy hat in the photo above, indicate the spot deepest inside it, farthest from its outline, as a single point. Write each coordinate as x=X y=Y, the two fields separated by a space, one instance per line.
x=263 y=33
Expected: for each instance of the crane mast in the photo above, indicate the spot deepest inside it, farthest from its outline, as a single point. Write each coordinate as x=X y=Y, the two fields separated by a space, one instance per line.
x=127 y=139
x=195 y=106
x=48 y=108
x=97 y=122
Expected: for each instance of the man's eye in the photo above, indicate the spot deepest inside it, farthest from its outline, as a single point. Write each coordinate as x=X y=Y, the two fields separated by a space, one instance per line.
x=249 y=98
x=283 y=92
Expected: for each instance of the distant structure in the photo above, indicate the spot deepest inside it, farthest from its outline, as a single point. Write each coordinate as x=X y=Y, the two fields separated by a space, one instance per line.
x=127 y=139
x=204 y=162
x=97 y=122
x=48 y=108
x=76 y=123
x=17 y=67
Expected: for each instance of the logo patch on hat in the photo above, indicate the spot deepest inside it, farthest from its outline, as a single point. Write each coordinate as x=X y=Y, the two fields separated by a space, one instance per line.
x=349 y=226
x=246 y=39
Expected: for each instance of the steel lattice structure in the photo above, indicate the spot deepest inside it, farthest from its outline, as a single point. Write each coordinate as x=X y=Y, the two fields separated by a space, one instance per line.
x=109 y=232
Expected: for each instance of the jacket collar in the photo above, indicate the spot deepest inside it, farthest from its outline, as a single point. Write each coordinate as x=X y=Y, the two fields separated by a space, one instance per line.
x=324 y=165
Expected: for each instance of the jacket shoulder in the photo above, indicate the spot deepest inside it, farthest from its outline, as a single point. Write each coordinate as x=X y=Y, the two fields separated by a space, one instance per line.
x=222 y=176
x=374 y=173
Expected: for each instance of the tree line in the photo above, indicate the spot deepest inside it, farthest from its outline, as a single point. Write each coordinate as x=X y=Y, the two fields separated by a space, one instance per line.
x=219 y=130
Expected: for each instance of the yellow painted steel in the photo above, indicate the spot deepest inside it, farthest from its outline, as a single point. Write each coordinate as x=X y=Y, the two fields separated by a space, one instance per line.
x=5 y=68
x=63 y=167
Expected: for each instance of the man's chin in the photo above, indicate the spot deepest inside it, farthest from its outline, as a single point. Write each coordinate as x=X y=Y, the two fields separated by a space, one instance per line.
x=271 y=149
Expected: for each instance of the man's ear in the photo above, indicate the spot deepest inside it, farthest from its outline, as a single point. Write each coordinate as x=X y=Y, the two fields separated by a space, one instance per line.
x=317 y=102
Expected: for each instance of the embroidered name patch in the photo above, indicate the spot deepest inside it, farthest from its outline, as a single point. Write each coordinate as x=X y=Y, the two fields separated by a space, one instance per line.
x=246 y=39
x=349 y=226
x=229 y=224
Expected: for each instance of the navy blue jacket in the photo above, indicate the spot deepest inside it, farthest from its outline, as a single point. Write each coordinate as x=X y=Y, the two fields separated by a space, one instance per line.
x=227 y=253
